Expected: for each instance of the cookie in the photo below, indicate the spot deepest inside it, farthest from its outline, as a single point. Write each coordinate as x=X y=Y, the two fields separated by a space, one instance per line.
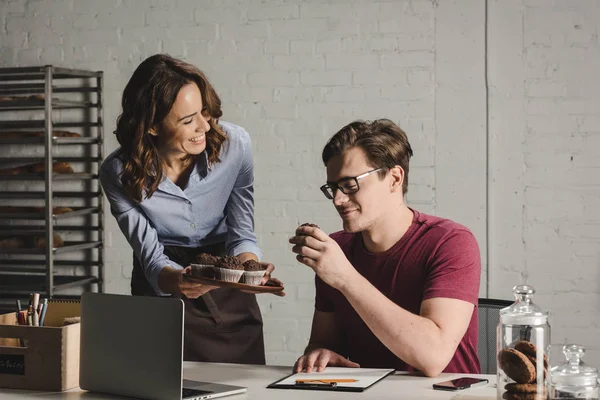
x=521 y=387
x=516 y=365
x=523 y=396
x=306 y=224
x=529 y=349
x=534 y=363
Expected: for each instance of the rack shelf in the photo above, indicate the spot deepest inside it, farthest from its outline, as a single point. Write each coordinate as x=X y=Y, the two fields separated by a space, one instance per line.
x=32 y=215
x=31 y=283
x=29 y=212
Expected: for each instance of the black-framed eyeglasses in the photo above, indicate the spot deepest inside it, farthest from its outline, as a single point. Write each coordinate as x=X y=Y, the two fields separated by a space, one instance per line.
x=347 y=185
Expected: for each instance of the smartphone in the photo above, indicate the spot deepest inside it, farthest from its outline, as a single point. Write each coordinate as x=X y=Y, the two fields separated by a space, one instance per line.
x=460 y=384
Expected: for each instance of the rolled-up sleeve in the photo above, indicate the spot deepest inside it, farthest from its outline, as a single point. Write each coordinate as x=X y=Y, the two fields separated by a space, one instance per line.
x=136 y=227
x=240 y=206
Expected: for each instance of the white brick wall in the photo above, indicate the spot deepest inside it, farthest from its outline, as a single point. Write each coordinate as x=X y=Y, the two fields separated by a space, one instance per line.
x=294 y=72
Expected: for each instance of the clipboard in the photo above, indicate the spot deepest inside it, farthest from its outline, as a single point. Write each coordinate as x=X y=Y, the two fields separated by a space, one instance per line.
x=333 y=379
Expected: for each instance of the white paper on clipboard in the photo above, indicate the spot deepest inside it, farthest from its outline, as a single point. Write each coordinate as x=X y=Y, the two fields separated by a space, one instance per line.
x=364 y=377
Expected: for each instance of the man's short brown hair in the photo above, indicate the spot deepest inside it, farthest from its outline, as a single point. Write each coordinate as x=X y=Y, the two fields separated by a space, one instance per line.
x=384 y=143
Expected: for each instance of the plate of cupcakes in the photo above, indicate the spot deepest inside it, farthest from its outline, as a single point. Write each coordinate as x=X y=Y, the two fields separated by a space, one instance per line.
x=228 y=271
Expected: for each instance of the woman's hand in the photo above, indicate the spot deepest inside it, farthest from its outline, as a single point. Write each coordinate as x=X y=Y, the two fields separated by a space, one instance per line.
x=171 y=281
x=267 y=279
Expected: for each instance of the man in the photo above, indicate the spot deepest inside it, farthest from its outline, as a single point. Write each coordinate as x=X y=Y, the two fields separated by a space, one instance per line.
x=397 y=288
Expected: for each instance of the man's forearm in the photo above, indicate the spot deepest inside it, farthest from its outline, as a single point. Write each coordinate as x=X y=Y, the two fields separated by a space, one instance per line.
x=412 y=338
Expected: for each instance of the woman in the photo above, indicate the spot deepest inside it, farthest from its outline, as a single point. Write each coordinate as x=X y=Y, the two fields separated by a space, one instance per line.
x=182 y=184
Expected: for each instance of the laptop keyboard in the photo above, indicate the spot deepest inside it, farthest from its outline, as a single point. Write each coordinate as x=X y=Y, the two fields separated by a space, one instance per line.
x=190 y=393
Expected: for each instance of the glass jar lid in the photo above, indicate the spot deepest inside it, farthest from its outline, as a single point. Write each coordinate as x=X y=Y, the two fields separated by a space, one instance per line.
x=523 y=311
x=574 y=372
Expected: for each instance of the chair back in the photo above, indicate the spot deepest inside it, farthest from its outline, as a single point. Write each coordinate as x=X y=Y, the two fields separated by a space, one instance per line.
x=489 y=315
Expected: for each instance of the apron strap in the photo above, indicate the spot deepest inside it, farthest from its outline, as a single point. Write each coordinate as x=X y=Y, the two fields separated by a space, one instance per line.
x=183 y=256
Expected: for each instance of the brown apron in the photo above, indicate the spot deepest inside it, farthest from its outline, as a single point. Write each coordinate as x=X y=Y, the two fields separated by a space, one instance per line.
x=224 y=325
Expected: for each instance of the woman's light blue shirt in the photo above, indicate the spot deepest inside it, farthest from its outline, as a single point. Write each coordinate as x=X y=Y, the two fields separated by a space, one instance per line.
x=217 y=205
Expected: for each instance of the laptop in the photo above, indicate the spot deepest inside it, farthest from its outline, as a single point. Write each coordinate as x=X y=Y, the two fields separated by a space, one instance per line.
x=133 y=346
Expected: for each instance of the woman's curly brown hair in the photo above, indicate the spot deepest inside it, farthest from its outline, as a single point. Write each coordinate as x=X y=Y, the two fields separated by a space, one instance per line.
x=147 y=99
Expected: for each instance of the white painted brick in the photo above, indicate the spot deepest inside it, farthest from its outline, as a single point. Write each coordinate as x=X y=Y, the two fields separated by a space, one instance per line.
x=302 y=46
x=53 y=54
x=299 y=94
x=196 y=33
x=280 y=111
x=419 y=77
x=414 y=42
x=340 y=110
x=277 y=46
x=383 y=77
x=344 y=27
x=19 y=23
x=85 y=6
x=286 y=11
x=222 y=14
x=86 y=21
x=273 y=78
x=155 y=17
x=552 y=124
x=375 y=44
x=333 y=11
x=407 y=24
x=246 y=95
x=351 y=62
x=346 y=94
x=253 y=29
x=423 y=59
x=298 y=28
x=325 y=78
x=407 y=92
x=294 y=62
x=13 y=7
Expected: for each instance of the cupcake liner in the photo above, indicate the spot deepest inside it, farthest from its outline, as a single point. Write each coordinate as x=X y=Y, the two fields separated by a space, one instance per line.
x=253 y=277
x=203 y=270
x=229 y=275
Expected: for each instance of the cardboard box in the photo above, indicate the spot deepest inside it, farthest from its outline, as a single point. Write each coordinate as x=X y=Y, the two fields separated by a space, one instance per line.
x=41 y=357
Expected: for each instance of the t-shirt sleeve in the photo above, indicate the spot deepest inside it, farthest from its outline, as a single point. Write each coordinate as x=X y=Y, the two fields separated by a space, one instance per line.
x=454 y=268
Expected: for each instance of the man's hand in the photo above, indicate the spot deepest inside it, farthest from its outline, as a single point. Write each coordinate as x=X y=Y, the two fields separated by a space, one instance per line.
x=317 y=250
x=321 y=358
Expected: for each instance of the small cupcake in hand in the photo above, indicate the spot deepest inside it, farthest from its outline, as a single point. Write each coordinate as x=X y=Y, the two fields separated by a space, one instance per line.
x=229 y=269
x=308 y=224
x=253 y=272
x=205 y=265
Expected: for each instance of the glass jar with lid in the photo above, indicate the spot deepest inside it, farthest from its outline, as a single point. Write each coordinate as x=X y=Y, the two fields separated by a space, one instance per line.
x=574 y=379
x=523 y=342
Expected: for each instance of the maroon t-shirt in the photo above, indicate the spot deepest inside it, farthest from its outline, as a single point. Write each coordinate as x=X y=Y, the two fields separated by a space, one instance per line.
x=436 y=257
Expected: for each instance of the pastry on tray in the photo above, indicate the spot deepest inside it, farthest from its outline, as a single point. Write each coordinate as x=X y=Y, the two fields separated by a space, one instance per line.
x=253 y=272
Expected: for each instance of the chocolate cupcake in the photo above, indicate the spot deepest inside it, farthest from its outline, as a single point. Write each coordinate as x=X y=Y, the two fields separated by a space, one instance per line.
x=229 y=269
x=307 y=224
x=205 y=266
x=253 y=272
x=207 y=259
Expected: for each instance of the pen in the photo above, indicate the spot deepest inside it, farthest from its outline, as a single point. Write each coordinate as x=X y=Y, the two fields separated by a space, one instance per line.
x=43 y=315
x=18 y=309
x=326 y=380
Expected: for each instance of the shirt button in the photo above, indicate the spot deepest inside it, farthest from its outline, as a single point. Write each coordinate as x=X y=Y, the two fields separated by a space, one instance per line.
x=192 y=226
